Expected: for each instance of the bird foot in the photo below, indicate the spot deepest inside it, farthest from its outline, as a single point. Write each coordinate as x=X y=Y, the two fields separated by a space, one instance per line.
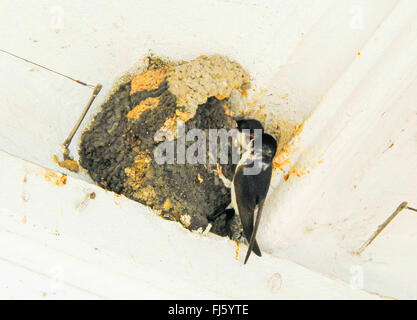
x=227 y=183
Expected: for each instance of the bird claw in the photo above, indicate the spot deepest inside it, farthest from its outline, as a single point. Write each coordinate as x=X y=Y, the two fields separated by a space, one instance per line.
x=227 y=183
x=219 y=172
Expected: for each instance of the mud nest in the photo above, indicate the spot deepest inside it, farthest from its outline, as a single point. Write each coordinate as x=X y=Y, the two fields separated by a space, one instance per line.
x=118 y=148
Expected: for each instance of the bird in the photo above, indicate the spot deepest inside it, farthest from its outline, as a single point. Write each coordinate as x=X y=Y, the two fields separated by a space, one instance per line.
x=248 y=191
x=246 y=132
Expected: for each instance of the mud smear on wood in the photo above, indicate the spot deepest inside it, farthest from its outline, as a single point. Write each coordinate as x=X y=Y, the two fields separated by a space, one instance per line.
x=68 y=164
x=117 y=149
x=58 y=180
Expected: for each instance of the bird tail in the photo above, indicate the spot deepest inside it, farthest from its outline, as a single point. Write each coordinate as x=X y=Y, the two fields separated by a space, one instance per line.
x=253 y=245
x=256 y=249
